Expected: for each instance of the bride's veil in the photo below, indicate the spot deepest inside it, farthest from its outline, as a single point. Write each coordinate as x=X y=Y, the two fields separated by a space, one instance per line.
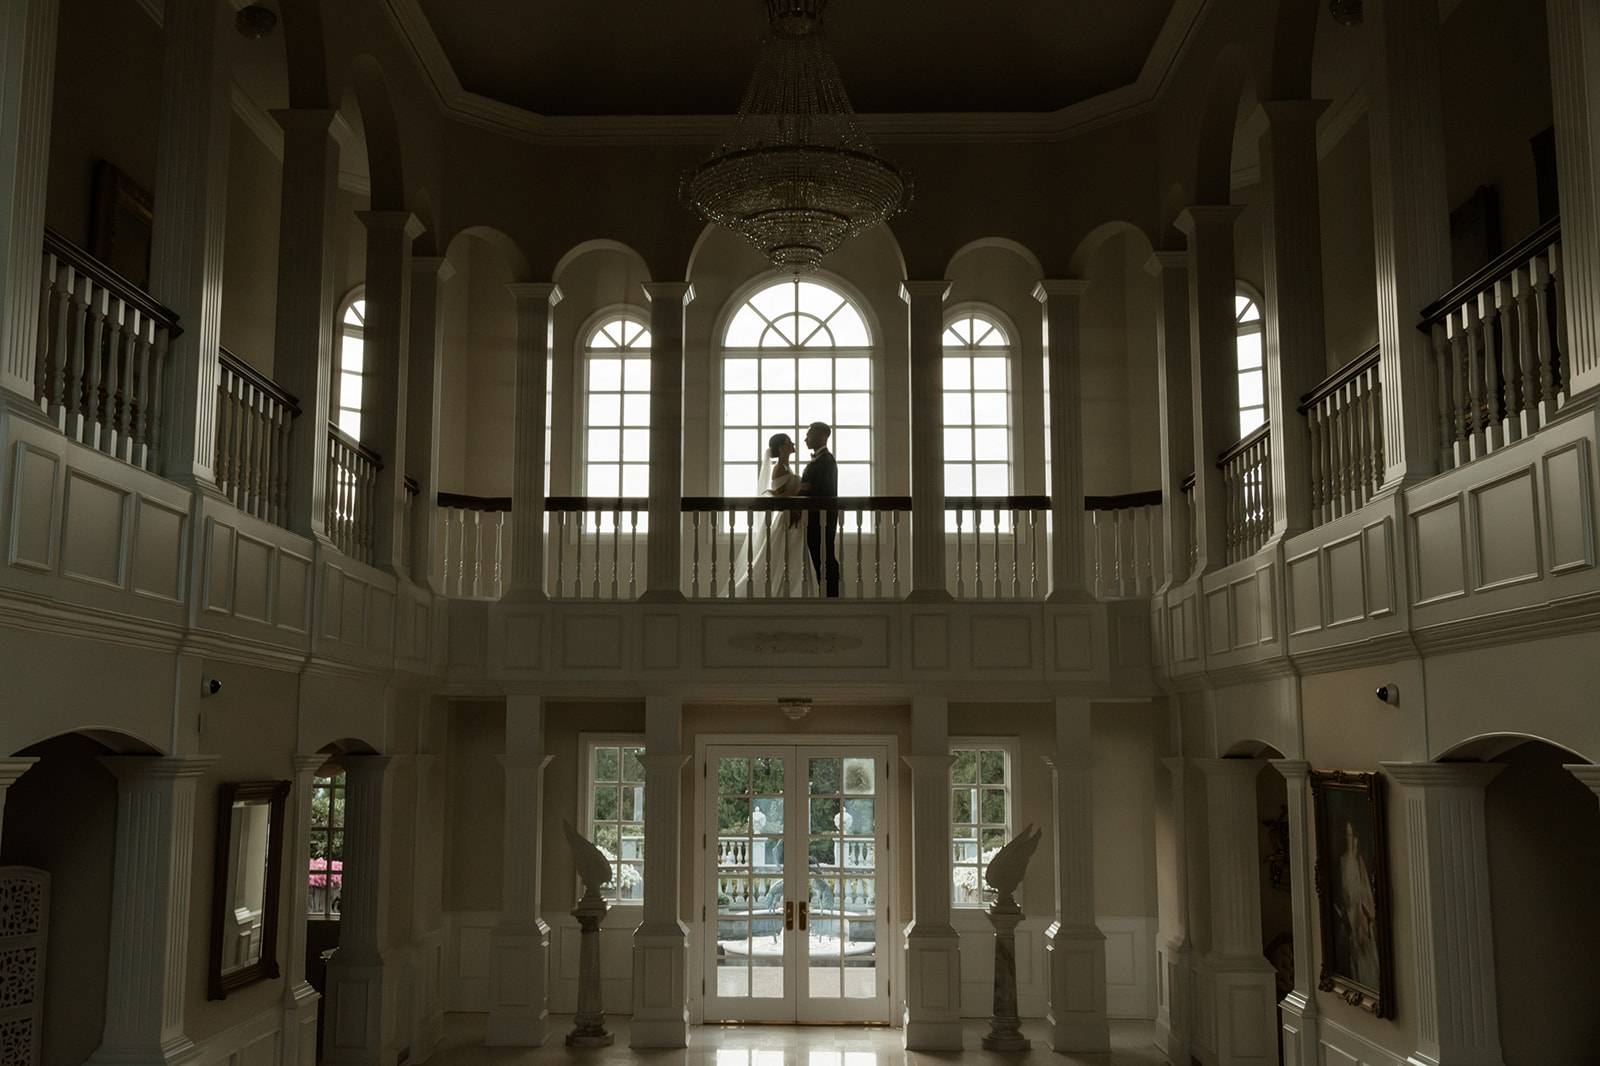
x=752 y=545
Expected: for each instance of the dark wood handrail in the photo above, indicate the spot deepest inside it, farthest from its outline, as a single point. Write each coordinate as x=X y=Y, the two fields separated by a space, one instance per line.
x=238 y=366
x=613 y=504
x=1124 y=502
x=997 y=503
x=1244 y=442
x=462 y=502
x=350 y=442
x=796 y=503
x=412 y=487
x=1547 y=233
x=1340 y=378
x=125 y=290
x=1187 y=484
x=592 y=504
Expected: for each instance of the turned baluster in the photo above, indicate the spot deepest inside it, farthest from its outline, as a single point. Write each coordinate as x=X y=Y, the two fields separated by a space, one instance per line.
x=60 y=347
x=750 y=554
x=960 y=588
x=1016 y=554
x=42 y=338
x=1542 y=283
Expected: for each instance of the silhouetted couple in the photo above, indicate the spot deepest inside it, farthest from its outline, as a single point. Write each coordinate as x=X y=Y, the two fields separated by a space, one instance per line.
x=820 y=479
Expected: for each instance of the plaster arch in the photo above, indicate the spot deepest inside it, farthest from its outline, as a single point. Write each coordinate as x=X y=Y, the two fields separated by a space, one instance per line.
x=1091 y=242
x=1252 y=748
x=306 y=53
x=116 y=741
x=380 y=133
x=601 y=244
x=1487 y=747
x=1294 y=36
x=506 y=249
x=1017 y=248
x=1231 y=78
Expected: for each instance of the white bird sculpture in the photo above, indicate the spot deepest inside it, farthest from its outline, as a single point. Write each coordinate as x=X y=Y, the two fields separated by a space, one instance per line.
x=593 y=866
x=1006 y=870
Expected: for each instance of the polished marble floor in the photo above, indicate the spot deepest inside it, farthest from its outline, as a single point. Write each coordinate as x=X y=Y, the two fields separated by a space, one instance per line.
x=1132 y=1044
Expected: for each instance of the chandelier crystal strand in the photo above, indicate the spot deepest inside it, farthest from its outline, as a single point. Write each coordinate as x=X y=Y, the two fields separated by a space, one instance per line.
x=797 y=178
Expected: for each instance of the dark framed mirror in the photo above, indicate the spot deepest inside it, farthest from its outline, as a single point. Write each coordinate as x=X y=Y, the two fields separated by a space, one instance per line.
x=244 y=893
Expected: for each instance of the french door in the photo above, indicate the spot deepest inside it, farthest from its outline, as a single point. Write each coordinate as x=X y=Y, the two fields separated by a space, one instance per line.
x=796 y=926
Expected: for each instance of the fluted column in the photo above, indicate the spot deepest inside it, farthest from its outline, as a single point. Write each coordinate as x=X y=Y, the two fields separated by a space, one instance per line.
x=1457 y=1023
x=664 y=551
x=1575 y=95
x=1299 y=1008
x=303 y=341
x=925 y=330
x=535 y=302
x=386 y=345
x=1213 y=369
x=186 y=250
x=1063 y=357
x=1171 y=271
x=151 y=910
x=1411 y=225
x=423 y=381
x=1242 y=994
x=520 y=943
x=1076 y=947
x=1174 y=980
x=932 y=1019
x=299 y=998
x=1294 y=352
x=353 y=1029
x=661 y=941
x=27 y=83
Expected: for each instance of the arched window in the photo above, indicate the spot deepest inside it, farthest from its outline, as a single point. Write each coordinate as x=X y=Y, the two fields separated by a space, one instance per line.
x=352 y=363
x=795 y=353
x=1252 y=372
x=977 y=408
x=616 y=454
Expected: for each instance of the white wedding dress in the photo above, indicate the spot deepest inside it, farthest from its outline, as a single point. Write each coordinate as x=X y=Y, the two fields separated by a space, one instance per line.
x=774 y=547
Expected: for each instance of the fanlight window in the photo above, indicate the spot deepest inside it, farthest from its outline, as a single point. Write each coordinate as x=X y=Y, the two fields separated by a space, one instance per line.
x=977 y=408
x=617 y=410
x=1252 y=374
x=352 y=364
x=796 y=352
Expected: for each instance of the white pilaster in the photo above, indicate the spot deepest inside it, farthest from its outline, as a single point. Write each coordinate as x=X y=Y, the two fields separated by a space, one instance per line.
x=1243 y=1018
x=27 y=82
x=151 y=911
x=299 y=998
x=423 y=391
x=1063 y=357
x=1298 y=1010
x=1294 y=355
x=1410 y=217
x=1174 y=981
x=520 y=943
x=1177 y=405
x=387 y=342
x=932 y=1019
x=1076 y=947
x=1575 y=94
x=306 y=304
x=1213 y=368
x=669 y=301
x=535 y=302
x=1452 y=930
x=353 y=1027
x=925 y=330
x=10 y=770
x=661 y=941
x=186 y=251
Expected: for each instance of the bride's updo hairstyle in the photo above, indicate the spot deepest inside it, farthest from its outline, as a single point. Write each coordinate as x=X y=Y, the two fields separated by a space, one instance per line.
x=776 y=443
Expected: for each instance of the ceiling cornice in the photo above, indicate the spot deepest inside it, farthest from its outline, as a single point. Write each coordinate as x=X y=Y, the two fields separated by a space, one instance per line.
x=474 y=109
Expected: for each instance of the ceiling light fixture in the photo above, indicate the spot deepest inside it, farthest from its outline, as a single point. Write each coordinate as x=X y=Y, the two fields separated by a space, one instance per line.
x=797 y=178
x=1346 y=12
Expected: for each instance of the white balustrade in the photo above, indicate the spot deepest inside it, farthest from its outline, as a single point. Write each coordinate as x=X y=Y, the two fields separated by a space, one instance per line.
x=1498 y=343
x=1247 y=495
x=1124 y=544
x=1344 y=416
x=254 y=418
x=351 y=515
x=756 y=547
x=1001 y=550
x=474 y=546
x=101 y=355
x=595 y=547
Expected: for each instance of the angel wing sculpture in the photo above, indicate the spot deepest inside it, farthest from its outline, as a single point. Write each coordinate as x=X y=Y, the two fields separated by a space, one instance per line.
x=1006 y=870
x=593 y=866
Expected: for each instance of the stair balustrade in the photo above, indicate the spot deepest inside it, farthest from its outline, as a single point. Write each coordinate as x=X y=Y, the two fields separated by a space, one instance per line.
x=254 y=420
x=101 y=355
x=351 y=515
x=1499 y=343
x=1344 y=416
x=1000 y=549
x=1124 y=544
x=1247 y=494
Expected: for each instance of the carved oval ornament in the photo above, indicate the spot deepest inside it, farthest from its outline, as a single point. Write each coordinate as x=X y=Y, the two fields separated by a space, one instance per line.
x=794 y=642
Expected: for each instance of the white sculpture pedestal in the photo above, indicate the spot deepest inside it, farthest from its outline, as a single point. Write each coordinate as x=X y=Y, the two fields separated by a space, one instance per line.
x=589 y=1023
x=1005 y=1028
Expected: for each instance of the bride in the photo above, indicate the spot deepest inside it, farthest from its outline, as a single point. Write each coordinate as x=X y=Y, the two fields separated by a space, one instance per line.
x=776 y=478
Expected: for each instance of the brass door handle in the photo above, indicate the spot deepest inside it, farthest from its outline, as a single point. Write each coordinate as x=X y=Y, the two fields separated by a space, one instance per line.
x=805 y=913
x=788 y=915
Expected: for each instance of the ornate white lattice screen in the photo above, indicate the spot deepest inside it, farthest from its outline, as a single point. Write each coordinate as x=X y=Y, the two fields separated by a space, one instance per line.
x=24 y=923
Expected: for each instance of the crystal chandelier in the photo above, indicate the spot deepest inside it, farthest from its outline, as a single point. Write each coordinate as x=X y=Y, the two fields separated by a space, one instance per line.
x=797 y=178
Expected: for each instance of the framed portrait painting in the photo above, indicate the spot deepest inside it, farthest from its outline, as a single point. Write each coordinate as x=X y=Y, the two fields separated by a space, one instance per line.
x=1353 y=889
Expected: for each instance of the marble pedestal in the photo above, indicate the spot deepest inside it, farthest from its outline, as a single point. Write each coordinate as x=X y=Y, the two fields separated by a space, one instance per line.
x=589 y=1023
x=1005 y=1028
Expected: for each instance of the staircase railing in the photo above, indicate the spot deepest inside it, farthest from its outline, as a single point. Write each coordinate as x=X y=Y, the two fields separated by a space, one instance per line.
x=351 y=517
x=1247 y=494
x=1344 y=415
x=254 y=420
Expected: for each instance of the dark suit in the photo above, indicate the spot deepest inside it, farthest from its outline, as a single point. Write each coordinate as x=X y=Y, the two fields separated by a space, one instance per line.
x=821 y=478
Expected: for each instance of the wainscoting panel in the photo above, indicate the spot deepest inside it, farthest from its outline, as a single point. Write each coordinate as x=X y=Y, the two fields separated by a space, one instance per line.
x=1344 y=1047
x=1130 y=966
x=467 y=972
x=256 y=1041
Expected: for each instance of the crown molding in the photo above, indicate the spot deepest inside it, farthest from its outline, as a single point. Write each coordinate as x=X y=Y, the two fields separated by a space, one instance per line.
x=461 y=105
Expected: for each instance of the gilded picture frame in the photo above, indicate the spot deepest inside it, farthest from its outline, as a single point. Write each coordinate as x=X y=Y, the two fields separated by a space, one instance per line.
x=1353 y=898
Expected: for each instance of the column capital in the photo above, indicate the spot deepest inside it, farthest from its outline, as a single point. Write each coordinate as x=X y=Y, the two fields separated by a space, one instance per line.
x=1229 y=767
x=1161 y=262
x=402 y=223
x=307 y=764
x=533 y=292
x=11 y=769
x=133 y=769
x=1281 y=113
x=304 y=119
x=937 y=288
x=1196 y=217
x=1442 y=774
x=1588 y=773
x=682 y=291
x=437 y=265
x=1292 y=769
x=1049 y=287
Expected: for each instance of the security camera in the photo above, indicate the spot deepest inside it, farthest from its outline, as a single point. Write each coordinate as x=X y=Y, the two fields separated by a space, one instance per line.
x=210 y=686
x=1389 y=694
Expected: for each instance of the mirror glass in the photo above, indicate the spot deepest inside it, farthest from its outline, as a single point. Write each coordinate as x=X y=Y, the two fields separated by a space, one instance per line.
x=244 y=912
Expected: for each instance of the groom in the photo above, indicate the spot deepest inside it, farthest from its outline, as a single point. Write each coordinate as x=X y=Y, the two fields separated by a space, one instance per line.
x=821 y=478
